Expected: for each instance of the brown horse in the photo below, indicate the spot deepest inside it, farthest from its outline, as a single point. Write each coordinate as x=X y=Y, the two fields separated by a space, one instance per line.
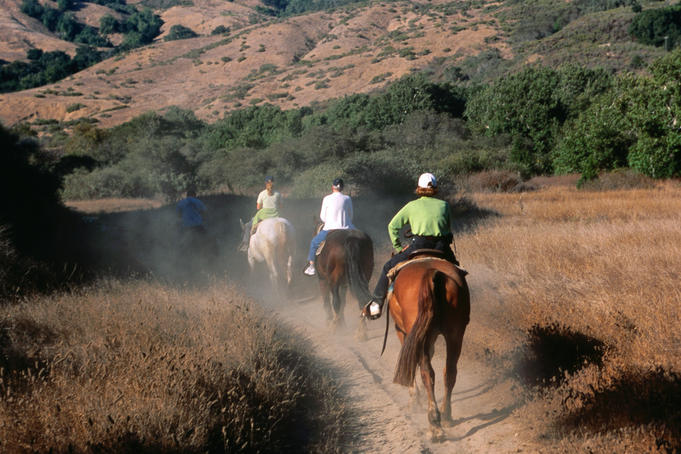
x=346 y=260
x=430 y=298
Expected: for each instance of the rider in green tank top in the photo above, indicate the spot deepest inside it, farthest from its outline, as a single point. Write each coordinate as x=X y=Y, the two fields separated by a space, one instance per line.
x=267 y=204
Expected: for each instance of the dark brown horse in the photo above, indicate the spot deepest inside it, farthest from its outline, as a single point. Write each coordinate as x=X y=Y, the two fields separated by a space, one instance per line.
x=346 y=260
x=430 y=298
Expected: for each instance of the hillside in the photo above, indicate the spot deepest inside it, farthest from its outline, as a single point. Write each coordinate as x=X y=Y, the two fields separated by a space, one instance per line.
x=291 y=62
x=299 y=60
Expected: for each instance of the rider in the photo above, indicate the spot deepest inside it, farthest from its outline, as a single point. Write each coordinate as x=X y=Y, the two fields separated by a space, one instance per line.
x=267 y=204
x=189 y=210
x=336 y=213
x=428 y=218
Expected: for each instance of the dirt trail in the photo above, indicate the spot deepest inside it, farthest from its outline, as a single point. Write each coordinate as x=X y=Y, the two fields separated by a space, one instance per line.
x=383 y=419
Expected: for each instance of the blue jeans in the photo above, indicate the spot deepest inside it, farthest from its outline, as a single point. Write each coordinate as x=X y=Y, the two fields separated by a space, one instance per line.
x=314 y=244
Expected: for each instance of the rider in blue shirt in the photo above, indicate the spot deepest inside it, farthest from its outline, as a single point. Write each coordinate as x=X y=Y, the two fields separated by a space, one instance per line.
x=190 y=209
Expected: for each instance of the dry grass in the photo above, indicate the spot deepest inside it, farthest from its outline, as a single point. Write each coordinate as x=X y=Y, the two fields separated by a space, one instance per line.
x=139 y=367
x=574 y=293
x=580 y=294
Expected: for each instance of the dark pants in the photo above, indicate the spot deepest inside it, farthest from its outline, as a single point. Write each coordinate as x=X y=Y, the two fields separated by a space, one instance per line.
x=417 y=242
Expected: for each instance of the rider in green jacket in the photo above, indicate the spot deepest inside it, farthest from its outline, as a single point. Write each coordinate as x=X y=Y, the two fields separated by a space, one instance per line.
x=429 y=221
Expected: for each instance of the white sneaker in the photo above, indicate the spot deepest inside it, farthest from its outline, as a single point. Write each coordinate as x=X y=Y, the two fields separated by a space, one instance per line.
x=310 y=271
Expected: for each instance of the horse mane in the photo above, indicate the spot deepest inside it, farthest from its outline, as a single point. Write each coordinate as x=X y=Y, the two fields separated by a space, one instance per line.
x=431 y=292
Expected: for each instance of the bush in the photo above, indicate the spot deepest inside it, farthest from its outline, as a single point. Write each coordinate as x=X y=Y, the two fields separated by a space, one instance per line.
x=180 y=32
x=598 y=140
x=315 y=181
x=657 y=26
x=532 y=106
x=220 y=30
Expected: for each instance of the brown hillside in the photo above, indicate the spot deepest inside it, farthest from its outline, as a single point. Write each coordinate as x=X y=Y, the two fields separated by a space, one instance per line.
x=290 y=63
x=19 y=33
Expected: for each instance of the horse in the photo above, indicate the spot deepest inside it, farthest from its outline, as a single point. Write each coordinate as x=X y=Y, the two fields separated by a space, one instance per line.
x=274 y=243
x=346 y=260
x=430 y=297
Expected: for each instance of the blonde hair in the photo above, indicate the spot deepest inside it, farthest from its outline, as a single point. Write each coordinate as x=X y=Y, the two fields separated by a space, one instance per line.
x=426 y=192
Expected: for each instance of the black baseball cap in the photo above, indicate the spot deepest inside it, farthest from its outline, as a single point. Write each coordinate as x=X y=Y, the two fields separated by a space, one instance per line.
x=338 y=183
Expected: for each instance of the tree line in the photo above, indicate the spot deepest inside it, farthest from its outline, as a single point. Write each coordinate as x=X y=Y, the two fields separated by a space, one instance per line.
x=539 y=121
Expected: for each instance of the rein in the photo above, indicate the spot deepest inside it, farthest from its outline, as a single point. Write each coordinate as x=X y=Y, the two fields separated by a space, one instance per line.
x=387 y=317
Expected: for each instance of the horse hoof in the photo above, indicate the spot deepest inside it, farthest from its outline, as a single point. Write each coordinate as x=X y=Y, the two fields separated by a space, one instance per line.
x=447 y=422
x=437 y=435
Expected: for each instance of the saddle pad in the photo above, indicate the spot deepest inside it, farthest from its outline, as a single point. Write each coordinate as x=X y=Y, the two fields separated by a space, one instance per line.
x=392 y=274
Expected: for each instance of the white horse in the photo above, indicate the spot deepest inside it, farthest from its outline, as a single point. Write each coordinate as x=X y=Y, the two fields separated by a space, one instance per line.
x=274 y=243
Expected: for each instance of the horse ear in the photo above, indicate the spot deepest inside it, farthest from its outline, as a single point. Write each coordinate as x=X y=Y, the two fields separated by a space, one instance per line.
x=241 y=223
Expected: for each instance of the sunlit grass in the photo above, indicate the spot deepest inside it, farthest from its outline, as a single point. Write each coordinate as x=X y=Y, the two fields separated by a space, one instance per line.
x=562 y=266
x=138 y=366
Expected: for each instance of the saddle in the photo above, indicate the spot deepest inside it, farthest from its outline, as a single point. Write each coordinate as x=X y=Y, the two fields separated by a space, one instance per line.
x=321 y=245
x=421 y=255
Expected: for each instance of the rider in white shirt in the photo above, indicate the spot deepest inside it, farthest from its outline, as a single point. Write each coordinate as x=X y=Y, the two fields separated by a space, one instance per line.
x=336 y=213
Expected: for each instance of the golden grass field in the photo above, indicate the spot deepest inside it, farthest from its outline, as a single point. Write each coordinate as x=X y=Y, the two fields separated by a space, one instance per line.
x=574 y=294
x=593 y=278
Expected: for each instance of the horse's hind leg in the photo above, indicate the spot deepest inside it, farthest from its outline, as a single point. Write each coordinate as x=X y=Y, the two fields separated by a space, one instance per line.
x=428 y=377
x=326 y=300
x=336 y=304
x=453 y=341
x=342 y=293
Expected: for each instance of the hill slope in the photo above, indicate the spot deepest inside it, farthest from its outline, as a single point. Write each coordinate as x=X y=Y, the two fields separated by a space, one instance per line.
x=291 y=62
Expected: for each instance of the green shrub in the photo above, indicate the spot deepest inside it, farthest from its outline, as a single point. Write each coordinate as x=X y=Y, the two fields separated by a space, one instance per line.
x=73 y=107
x=180 y=32
x=597 y=140
x=220 y=30
x=532 y=106
x=315 y=181
x=657 y=26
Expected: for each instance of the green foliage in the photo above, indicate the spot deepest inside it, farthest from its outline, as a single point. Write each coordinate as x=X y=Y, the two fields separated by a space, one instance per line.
x=44 y=68
x=653 y=110
x=32 y=8
x=140 y=28
x=634 y=124
x=180 y=32
x=654 y=26
x=220 y=30
x=314 y=181
x=108 y=24
x=409 y=94
x=599 y=139
x=532 y=106
x=537 y=19
x=165 y=4
x=64 y=5
x=256 y=126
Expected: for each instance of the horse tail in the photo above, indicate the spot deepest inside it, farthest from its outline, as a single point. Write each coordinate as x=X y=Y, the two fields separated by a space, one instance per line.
x=358 y=248
x=283 y=249
x=431 y=291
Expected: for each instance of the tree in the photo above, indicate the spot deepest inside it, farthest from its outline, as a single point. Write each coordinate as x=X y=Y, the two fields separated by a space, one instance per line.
x=108 y=25
x=64 y=5
x=532 y=106
x=657 y=26
x=32 y=8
